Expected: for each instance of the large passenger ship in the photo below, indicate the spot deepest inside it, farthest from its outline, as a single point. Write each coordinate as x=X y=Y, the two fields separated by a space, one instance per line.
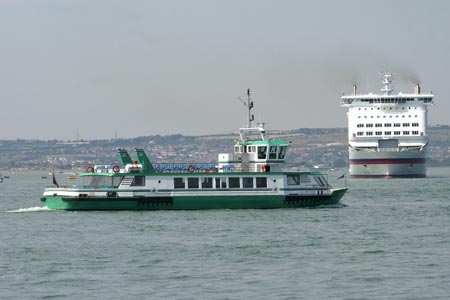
x=387 y=132
x=252 y=177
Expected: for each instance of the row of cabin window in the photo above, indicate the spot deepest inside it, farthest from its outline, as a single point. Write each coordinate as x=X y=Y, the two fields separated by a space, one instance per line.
x=369 y=125
x=369 y=133
x=397 y=116
x=219 y=182
x=274 y=151
x=395 y=100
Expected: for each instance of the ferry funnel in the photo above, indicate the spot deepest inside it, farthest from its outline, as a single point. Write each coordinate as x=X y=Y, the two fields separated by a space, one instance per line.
x=417 y=89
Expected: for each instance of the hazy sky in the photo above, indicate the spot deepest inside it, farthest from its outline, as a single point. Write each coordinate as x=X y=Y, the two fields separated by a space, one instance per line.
x=140 y=68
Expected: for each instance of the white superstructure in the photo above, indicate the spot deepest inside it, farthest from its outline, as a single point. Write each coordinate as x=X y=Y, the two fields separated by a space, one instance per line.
x=387 y=132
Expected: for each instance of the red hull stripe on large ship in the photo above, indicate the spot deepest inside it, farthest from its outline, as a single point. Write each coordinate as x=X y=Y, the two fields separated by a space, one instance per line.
x=387 y=161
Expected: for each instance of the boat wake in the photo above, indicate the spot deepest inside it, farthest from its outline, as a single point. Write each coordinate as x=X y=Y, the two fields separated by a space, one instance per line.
x=30 y=209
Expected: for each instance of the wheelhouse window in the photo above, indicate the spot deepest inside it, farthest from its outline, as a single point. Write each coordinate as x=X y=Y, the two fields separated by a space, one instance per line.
x=262 y=150
x=179 y=182
x=207 y=183
x=193 y=183
x=273 y=152
x=261 y=182
x=282 y=153
x=234 y=182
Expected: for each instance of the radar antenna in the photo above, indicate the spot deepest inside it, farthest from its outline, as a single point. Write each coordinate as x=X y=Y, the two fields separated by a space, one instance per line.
x=386 y=81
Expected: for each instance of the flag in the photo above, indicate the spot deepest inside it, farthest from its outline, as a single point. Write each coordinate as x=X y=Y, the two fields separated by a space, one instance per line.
x=54 y=180
x=340 y=177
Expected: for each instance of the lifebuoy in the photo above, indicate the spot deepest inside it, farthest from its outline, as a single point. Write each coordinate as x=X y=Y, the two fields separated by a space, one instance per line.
x=191 y=169
x=116 y=169
x=89 y=169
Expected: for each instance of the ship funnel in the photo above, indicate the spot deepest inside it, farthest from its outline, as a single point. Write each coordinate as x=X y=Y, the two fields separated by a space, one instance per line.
x=354 y=90
x=417 y=89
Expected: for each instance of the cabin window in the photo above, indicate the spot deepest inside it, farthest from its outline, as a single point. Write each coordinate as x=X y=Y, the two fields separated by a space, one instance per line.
x=207 y=183
x=221 y=184
x=261 y=182
x=193 y=183
x=396 y=124
x=138 y=181
x=293 y=179
x=179 y=183
x=405 y=124
x=319 y=181
x=247 y=182
x=282 y=153
x=234 y=182
x=262 y=152
x=405 y=132
x=236 y=149
x=273 y=152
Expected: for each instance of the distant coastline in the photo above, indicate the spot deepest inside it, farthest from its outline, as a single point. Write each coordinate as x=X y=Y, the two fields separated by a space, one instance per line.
x=310 y=147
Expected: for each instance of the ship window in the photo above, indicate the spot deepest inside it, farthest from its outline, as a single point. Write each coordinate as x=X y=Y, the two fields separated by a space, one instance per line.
x=360 y=133
x=247 y=182
x=405 y=124
x=378 y=125
x=378 y=133
x=293 y=180
x=369 y=125
x=178 y=182
x=396 y=124
x=234 y=182
x=282 y=153
x=360 y=125
x=261 y=182
x=415 y=124
x=193 y=183
x=116 y=180
x=319 y=181
x=221 y=184
x=396 y=132
x=236 y=149
x=405 y=132
x=369 y=133
x=387 y=133
x=138 y=181
x=415 y=133
x=207 y=183
x=262 y=152
x=387 y=124
x=273 y=152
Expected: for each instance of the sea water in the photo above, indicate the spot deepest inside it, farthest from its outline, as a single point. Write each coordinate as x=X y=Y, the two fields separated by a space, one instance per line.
x=390 y=239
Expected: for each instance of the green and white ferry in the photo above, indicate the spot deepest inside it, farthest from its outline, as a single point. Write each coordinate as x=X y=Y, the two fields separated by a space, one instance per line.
x=252 y=177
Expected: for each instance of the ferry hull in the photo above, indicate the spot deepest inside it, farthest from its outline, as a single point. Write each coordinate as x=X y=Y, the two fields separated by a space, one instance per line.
x=364 y=164
x=192 y=202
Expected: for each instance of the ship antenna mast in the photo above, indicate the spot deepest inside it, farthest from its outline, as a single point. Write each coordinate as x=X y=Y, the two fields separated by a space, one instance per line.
x=249 y=104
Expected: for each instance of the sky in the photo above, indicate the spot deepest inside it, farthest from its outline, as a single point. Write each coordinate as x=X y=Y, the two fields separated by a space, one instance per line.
x=94 y=69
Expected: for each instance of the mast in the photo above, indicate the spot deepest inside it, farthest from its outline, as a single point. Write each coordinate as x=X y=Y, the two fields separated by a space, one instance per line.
x=251 y=117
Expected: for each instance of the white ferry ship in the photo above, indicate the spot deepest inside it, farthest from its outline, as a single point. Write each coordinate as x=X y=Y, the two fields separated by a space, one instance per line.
x=387 y=133
x=252 y=177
